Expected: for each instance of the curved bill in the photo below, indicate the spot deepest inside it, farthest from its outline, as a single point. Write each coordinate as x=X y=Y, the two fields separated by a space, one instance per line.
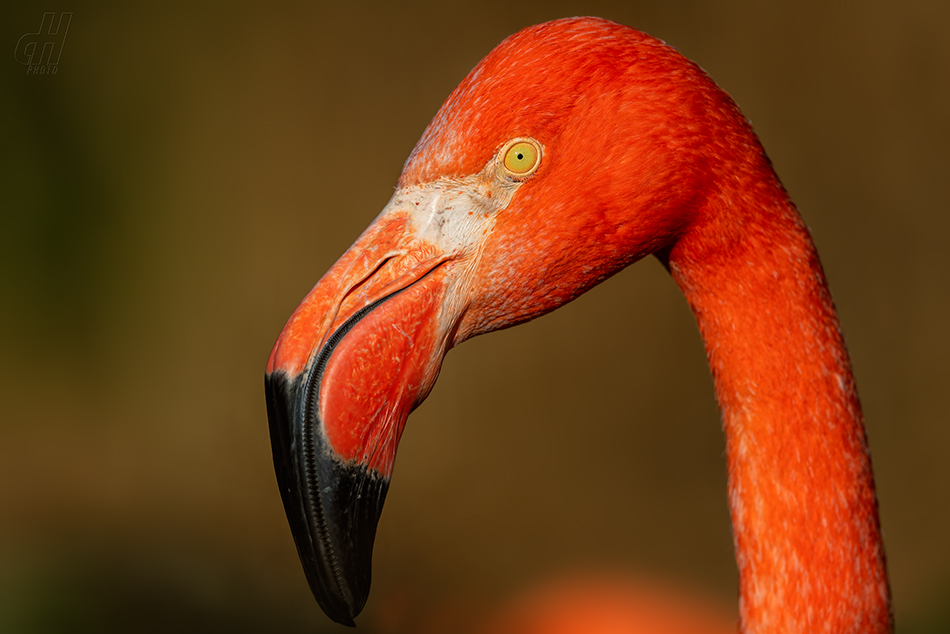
x=333 y=507
x=360 y=352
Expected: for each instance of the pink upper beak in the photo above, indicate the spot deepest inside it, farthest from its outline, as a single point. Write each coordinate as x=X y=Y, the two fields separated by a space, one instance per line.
x=360 y=352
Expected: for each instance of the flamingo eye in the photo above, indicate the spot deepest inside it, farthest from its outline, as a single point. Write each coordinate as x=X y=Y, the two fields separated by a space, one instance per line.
x=521 y=158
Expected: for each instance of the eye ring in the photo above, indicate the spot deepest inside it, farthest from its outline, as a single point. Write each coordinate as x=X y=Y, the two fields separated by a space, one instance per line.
x=520 y=158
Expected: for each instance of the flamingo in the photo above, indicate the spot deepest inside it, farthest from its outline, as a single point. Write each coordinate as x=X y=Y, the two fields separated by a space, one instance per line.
x=575 y=148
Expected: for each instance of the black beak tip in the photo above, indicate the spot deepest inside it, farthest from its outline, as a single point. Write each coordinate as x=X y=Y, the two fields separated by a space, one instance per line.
x=340 y=613
x=332 y=505
x=345 y=621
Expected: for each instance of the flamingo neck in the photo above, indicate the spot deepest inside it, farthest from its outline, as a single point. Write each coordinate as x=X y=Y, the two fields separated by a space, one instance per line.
x=801 y=490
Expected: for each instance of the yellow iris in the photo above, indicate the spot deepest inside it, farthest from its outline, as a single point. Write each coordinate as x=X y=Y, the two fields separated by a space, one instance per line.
x=522 y=158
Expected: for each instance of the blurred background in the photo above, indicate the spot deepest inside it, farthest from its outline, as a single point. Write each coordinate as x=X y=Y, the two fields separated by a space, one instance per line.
x=192 y=169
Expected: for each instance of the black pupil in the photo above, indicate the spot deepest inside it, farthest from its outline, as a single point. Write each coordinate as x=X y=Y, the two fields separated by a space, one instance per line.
x=520 y=156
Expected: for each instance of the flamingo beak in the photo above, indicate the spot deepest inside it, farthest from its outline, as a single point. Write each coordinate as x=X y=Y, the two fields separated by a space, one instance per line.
x=361 y=351
x=332 y=507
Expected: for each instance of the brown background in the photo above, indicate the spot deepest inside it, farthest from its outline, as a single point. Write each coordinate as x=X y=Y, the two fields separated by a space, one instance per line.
x=175 y=189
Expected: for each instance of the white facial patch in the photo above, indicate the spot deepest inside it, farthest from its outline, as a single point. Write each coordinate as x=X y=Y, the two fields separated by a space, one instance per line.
x=450 y=221
x=454 y=215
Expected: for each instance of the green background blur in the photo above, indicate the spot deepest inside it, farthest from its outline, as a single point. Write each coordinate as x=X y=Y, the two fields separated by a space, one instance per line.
x=190 y=171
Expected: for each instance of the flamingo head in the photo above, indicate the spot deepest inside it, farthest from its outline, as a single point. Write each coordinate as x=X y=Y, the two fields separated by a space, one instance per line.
x=573 y=149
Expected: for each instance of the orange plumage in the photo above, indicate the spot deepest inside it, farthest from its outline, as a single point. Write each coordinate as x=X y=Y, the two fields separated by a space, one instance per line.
x=639 y=153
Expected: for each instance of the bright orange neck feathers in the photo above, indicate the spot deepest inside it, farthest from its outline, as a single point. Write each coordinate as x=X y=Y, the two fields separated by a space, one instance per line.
x=644 y=154
x=801 y=490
